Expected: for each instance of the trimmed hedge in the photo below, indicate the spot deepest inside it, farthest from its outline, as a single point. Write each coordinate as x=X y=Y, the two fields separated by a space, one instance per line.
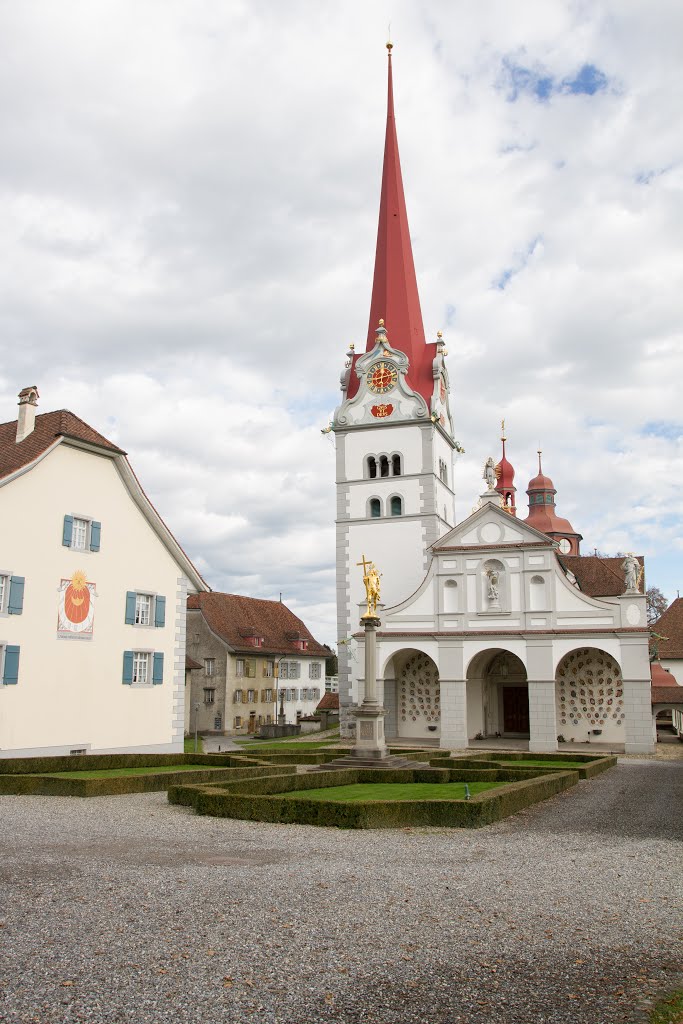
x=92 y=762
x=259 y=799
x=53 y=785
x=591 y=766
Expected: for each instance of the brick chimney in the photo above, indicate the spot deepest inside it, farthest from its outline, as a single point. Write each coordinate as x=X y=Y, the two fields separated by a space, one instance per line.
x=26 y=420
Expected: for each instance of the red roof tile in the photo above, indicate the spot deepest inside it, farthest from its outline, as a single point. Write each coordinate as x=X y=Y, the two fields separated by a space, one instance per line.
x=330 y=702
x=191 y=664
x=233 y=617
x=660 y=676
x=597 y=576
x=670 y=625
x=667 y=694
x=49 y=426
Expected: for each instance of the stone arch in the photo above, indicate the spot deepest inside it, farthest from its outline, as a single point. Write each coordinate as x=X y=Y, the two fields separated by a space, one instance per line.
x=668 y=729
x=589 y=697
x=412 y=695
x=497 y=695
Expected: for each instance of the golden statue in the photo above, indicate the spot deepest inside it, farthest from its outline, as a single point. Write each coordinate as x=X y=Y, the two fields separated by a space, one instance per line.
x=371 y=580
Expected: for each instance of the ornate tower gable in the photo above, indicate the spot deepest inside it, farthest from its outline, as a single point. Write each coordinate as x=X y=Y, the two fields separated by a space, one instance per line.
x=382 y=391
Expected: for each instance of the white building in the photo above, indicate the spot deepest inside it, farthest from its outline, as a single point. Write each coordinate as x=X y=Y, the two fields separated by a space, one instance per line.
x=93 y=592
x=483 y=632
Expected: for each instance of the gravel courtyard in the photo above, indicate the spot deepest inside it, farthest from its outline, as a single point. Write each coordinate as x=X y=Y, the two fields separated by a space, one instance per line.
x=128 y=909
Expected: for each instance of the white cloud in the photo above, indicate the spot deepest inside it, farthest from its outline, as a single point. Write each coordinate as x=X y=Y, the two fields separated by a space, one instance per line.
x=189 y=199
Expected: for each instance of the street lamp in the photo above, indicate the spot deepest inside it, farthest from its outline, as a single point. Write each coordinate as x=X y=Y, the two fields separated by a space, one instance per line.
x=196 y=714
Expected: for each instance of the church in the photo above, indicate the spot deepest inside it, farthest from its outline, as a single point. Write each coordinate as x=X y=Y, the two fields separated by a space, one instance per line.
x=493 y=627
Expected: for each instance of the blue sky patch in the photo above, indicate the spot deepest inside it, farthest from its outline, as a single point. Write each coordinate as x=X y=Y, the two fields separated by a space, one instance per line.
x=538 y=83
x=521 y=258
x=662 y=428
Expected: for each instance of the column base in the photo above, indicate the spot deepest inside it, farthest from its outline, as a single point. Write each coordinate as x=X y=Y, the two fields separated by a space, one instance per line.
x=542 y=746
x=370 y=742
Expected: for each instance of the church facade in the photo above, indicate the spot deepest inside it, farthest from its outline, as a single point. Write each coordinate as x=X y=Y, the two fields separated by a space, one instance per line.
x=484 y=631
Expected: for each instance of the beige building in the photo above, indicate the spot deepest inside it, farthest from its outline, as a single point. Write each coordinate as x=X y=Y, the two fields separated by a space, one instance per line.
x=251 y=652
x=93 y=594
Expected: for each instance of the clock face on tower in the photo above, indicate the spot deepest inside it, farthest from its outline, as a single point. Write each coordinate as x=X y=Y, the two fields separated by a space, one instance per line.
x=381 y=378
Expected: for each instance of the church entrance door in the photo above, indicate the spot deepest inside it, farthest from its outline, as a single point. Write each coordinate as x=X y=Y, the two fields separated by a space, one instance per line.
x=515 y=709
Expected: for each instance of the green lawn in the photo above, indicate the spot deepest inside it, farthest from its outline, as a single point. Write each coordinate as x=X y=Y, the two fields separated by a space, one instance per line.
x=111 y=773
x=189 y=745
x=668 y=1010
x=540 y=764
x=373 y=791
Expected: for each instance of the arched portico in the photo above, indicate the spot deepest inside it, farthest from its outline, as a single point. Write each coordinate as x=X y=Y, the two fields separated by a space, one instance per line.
x=412 y=696
x=590 y=697
x=497 y=695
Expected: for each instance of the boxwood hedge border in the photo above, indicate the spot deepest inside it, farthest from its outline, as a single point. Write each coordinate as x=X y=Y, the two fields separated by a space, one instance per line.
x=260 y=799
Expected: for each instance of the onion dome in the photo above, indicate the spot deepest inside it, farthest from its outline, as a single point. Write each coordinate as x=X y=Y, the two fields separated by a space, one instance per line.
x=542 y=515
x=505 y=475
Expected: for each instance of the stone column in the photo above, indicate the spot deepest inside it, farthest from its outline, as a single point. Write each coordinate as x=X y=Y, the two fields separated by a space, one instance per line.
x=542 y=722
x=453 y=713
x=638 y=738
x=370 y=742
x=541 y=683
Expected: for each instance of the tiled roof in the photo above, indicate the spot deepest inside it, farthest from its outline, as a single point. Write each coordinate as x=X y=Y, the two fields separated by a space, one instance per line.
x=232 y=616
x=330 y=702
x=667 y=694
x=670 y=625
x=49 y=426
x=191 y=664
x=597 y=576
x=660 y=676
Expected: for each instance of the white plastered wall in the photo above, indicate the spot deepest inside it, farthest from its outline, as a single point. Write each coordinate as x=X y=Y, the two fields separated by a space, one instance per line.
x=70 y=692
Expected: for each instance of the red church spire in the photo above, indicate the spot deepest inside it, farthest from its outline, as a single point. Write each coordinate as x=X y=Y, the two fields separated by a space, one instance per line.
x=394 y=288
x=395 y=298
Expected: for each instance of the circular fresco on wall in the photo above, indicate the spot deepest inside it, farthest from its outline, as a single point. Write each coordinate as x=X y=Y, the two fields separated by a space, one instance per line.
x=419 y=697
x=590 y=689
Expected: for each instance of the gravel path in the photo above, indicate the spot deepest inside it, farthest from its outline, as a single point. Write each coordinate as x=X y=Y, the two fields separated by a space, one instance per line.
x=125 y=909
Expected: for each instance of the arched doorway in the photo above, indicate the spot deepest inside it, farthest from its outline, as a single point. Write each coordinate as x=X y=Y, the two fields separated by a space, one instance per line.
x=412 y=696
x=665 y=724
x=497 y=696
x=590 y=697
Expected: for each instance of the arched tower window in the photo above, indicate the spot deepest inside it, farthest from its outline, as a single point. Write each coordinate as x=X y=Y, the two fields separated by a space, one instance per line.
x=396 y=465
x=396 y=506
x=375 y=508
x=383 y=465
x=372 y=466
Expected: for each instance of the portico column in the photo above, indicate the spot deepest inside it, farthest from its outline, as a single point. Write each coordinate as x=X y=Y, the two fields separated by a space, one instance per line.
x=638 y=731
x=453 y=696
x=541 y=683
x=542 y=723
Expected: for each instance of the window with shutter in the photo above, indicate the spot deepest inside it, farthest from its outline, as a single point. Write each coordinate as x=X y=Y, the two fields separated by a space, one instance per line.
x=15 y=604
x=127 y=668
x=10 y=664
x=158 y=668
x=159 y=611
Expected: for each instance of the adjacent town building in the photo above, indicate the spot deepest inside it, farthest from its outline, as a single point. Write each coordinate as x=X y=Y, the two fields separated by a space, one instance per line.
x=256 y=657
x=93 y=594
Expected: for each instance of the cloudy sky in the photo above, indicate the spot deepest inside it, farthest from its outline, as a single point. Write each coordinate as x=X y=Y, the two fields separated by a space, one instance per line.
x=187 y=230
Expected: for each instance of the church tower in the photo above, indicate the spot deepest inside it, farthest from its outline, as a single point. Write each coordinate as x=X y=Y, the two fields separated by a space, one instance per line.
x=543 y=517
x=393 y=429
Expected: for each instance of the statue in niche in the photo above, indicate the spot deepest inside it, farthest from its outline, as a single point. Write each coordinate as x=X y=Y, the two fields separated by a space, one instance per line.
x=489 y=474
x=631 y=570
x=492 y=591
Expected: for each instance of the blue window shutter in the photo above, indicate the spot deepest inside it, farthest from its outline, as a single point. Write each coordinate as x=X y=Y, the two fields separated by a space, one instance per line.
x=68 y=530
x=158 y=668
x=11 y=672
x=95 y=530
x=127 y=668
x=15 y=605
x=160 y=611
x=130 y=608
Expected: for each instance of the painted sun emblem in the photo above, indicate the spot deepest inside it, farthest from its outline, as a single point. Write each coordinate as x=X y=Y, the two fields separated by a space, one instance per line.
x=77 y=598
